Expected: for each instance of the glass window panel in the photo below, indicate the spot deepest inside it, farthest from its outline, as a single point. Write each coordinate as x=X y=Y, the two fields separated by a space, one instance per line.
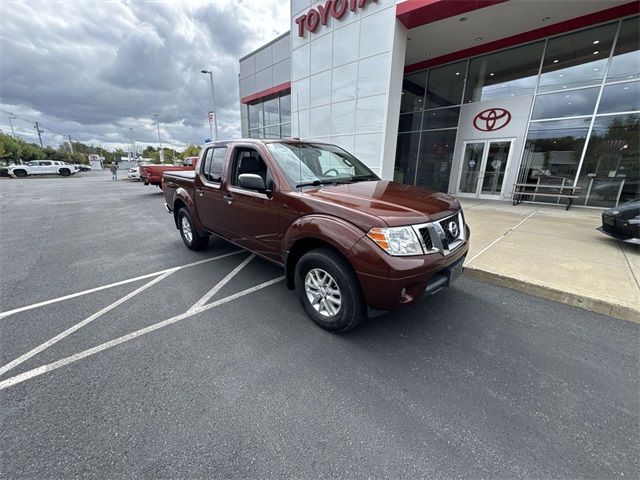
x=406 y=156
x=271 y=114
x=626 y=57
x=256 y=133
x=552 y=151
x=471 y=164
x=285 y=108
x=441 y=118
x=509 y=73
x=272 y=132
x=611 y=168
x=566 y=104
x=217 y=164
x=577 y=59
x=445 y=85
x=255 y=115
x=409 y=122
x=413 y=92
x=285 y=130
x=435 y=158
x=622 y=97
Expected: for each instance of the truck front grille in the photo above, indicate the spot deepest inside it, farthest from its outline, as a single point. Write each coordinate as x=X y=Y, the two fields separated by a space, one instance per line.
x=444 y=235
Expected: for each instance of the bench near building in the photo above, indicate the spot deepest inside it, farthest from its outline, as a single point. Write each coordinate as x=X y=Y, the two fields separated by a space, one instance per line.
x=472 y=98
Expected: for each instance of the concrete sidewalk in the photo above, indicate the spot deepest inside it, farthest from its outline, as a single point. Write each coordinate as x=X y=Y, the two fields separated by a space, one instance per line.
x=551 y=253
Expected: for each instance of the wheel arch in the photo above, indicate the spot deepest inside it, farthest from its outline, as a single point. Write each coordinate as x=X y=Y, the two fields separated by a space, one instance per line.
x=313 y=232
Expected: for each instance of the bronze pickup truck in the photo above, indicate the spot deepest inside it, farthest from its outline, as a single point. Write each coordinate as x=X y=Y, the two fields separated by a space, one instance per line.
x=350 y=243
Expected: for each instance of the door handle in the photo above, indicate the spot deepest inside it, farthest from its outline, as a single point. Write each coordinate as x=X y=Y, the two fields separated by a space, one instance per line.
x=228 y=199
x=200 y=191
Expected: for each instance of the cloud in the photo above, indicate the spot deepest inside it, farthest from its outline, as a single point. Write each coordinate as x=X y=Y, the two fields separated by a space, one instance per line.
x=97 y=69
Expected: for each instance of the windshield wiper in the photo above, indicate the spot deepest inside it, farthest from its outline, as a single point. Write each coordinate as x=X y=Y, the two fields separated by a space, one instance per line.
x=358 y=178
x=326 y=181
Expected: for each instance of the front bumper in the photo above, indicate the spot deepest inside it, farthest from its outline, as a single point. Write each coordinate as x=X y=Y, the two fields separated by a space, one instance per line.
x=389 y=282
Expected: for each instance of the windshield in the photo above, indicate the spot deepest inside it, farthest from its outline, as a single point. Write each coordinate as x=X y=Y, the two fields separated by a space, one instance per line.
x=315 y=163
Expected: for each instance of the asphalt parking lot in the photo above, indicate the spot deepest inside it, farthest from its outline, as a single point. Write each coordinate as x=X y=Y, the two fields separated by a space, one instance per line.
x=112 y=366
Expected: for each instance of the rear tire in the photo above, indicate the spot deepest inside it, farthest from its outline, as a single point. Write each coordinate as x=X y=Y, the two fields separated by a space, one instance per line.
x=329 y=290
x=190 y=236
x=65 y=172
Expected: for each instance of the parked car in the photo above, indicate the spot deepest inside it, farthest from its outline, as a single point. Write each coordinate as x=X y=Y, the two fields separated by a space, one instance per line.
x=42 y=167
x=622 y=222
x=134 y=173
x=83 y=167
x=151 y=174
x=350 y=243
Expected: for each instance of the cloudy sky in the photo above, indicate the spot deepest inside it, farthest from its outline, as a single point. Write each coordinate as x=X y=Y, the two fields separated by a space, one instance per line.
x=94 y=69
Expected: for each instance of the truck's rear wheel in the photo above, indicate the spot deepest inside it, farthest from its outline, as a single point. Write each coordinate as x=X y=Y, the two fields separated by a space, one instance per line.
x=329 y=291
x=190 y=236
x=65 y=172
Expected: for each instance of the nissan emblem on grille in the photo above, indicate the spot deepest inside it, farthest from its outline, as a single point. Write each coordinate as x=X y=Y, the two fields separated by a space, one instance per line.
x=453 y=229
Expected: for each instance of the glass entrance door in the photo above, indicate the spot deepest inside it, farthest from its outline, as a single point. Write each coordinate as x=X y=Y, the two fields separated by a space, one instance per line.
x=483 y=168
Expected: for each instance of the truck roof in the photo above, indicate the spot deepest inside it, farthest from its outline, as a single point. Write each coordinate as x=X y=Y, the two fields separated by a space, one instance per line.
x=261 y=141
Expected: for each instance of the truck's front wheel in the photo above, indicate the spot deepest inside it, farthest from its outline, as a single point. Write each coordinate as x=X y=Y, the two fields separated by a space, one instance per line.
x=329 y=291
x=190 y=236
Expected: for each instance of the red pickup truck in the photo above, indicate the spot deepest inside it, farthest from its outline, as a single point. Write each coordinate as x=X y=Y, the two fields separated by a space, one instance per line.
x=152 y=174
x=349 y=242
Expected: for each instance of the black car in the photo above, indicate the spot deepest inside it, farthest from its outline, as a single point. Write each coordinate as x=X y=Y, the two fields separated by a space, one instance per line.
x=623 y=221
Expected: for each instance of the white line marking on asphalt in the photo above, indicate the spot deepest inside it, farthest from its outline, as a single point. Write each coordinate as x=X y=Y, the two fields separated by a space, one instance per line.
x=111 y=285
x=499 y=238
x=221 y=283
x=79 y=325
x=138 y=333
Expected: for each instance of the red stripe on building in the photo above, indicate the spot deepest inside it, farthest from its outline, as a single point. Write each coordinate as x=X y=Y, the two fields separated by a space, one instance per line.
x=566 y=26
x=266 y=93
x=414 y=13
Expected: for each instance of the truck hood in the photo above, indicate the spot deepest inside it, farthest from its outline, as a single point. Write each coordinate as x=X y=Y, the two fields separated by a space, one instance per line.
x=395 y=203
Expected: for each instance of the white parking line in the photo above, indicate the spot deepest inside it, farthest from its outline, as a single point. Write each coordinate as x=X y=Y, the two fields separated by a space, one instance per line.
x=111 y=285
x=221 y=283
x=79 y=325
x=138 y=333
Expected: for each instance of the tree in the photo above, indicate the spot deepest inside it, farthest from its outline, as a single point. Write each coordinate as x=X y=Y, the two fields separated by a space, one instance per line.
x=190 y=151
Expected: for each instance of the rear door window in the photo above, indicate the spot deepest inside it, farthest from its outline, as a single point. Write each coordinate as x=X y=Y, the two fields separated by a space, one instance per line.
x=206 y=165
x=217 y=164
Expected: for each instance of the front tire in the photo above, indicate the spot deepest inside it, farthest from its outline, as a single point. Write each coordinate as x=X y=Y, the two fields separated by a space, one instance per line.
x=190 y=236
x=20 y=173
x=329 y=291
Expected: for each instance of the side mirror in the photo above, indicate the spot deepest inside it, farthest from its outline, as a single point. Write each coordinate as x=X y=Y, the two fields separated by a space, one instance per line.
x=251 y=181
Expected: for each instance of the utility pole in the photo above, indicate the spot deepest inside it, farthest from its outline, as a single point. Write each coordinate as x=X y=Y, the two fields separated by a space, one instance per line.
x=161 y=151
x=70 y=144
x=213 y=96
x=11 y=116
x=133 y=145
x=40 y=132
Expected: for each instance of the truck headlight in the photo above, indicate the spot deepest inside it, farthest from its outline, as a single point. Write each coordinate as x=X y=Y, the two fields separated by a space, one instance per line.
x=397 y=241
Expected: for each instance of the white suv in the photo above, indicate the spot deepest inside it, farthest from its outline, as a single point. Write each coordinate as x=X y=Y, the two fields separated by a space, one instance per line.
x=42 y=167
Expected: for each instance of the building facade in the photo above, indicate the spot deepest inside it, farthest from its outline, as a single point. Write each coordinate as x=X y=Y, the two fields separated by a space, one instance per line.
x=464 y=97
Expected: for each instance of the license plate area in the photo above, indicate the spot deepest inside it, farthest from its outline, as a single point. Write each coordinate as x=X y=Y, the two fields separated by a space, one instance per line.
x=454 y=272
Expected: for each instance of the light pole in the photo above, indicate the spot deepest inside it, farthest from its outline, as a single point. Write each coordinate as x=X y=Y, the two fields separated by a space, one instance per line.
x=160 y=152
x=213 y=96
x=12 y=116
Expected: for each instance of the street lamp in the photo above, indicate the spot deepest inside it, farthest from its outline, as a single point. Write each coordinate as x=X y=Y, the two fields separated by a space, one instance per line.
x=160 y=152
x=12 y=116
x=213 y=96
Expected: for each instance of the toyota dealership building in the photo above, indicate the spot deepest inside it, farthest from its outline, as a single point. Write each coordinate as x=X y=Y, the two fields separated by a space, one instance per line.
x=462 y=96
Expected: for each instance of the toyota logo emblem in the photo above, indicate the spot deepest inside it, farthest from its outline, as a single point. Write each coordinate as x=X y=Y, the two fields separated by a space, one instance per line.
x=453 y=229
x=492 y=119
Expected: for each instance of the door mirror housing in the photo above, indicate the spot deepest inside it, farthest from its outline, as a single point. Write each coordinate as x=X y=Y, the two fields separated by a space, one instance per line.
x=251 y=181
